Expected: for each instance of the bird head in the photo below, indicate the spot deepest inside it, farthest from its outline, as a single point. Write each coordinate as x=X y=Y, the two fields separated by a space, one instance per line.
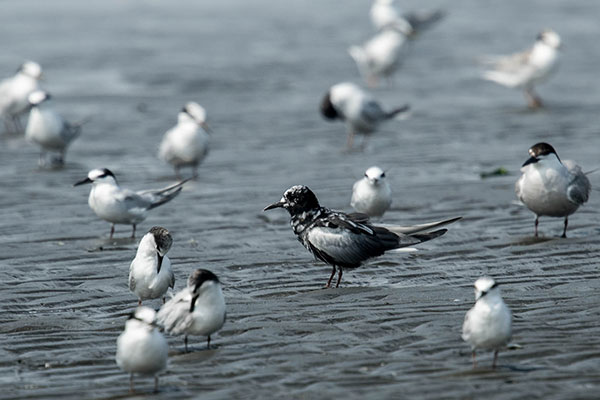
x=296 y=199
x=31 y=69
x=550 y=38
x=484 y=286
x=38 y=97
x=539 y=152
x=375 y=175
x=142 y=317
x=100 y=175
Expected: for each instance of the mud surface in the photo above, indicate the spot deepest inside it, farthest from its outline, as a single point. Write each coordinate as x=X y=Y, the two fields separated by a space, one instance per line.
x=260 y=68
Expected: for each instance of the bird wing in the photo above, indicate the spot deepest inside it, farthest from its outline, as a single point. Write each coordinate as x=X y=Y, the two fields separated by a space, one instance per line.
x=348 y=239
x=356 y=222
x=578 y=190
x=466 y=328
x=157 y=197
x=512 y=63
x=371 y=111
x=131 y=278
x=423 y=20
x=133 y=201
x=175 y=314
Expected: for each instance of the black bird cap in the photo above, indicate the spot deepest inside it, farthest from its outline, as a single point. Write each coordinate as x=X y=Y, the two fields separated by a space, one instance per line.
x=327 y=108
x=107 y=172
x=199 y=276
x=96 y=173
x=537 y=150
x=162 y=238
x=297 y=199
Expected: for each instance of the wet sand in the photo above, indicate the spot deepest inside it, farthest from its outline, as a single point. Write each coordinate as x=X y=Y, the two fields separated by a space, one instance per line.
x=260 y=68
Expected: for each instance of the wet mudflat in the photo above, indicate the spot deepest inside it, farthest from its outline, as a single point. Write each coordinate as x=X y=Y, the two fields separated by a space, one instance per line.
x=260 y=69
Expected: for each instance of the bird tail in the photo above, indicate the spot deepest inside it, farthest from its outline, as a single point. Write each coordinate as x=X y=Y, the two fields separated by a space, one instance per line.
x=165 y=195
x=411 y=230
x=423 y=21
x=74 y=128
x=400 y=112
x=423 y=237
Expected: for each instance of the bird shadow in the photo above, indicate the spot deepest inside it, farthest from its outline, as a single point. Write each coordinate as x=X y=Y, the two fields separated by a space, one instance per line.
x=114 y=244
x=489 y=371
x=532 y=240
x=194 y=353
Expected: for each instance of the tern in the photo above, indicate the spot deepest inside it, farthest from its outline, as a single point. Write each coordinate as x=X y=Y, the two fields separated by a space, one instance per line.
x=141 y=348
x=551 y=187
x=346 y=240
x=150 y=272
x=199 y=309
x=14 y=94
x=372 y=195
x=187 y=143
x=358 y=109
x=123 y=206
x=526 y=69
x=48 y=129
x=488 y=325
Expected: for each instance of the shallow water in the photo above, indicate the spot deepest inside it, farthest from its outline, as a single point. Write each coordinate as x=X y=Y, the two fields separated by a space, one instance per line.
x=260 y=69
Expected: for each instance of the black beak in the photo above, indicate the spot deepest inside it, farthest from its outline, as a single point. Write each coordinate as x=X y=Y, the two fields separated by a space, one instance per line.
x=160 y=258
x=86 y=180
x=279 y=204
x=530 y=160
x=193 y=304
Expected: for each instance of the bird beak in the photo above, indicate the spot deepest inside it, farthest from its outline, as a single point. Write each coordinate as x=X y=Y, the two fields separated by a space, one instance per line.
x=279 y=204
x=86 y=180
x=530 y=160
x=160 y=260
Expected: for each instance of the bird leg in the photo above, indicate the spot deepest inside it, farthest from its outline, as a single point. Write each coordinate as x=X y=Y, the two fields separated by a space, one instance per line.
x=177 y=174
x=495 y=358
x=565 y=230
x=139 y=302
x=9 y=128
x=17 y=124
x=372 y=81
x=537 y=221
x=363 y=145
x=350 y=140
x=474 y=359
x=330 y=278
x=133 y=233
x=533 y=100
x=155 y=384
x=340 y=271
x=208 y=342
x=185 y=342
x=42 y=160
x=131 y=388
x=112 y=231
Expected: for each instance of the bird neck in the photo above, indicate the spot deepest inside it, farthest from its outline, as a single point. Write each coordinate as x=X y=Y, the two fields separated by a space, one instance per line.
x=147 y=246
x=301 y=221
